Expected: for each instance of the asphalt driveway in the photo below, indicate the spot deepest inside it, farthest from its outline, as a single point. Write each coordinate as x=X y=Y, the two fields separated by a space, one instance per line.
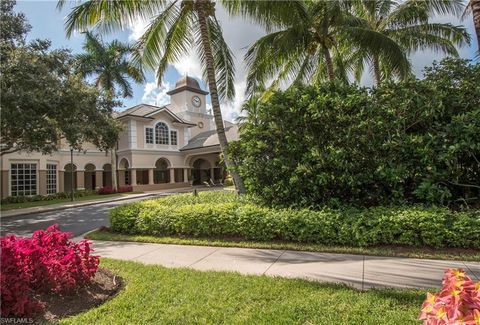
x=77 y=220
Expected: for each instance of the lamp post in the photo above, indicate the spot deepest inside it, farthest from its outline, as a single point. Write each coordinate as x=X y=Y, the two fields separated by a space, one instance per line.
x=71 y=173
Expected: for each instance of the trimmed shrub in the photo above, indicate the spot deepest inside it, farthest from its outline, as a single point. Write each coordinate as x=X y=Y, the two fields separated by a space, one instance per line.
x=230 y=215
x=111 y=190
x=46 y=262
x=55 y=196
x=415 y=141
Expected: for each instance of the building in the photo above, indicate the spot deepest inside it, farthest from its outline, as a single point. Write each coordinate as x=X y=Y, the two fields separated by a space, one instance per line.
x=161 y=147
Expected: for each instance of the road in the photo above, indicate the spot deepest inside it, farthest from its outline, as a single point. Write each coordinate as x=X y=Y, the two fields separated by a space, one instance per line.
x=77 y=220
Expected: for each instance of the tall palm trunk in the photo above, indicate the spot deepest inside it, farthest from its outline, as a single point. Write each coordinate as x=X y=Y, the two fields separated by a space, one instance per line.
x=329 y=63
x=475 y=5
x=113 y=153
x=376 y=70
x=200 y=7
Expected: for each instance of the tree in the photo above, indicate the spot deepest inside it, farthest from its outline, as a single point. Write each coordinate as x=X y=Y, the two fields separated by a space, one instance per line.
x=109 y=64
x=13 y=26
x=42 y=99
x=408 y=25
x=332 y=144
x=174 y=29
x=310 y=47
x=473 y=7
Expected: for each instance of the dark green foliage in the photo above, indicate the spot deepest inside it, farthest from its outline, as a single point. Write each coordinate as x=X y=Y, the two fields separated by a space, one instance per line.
x=412 y=141
x=49 y=197
x=41 y=94
x=229 y=215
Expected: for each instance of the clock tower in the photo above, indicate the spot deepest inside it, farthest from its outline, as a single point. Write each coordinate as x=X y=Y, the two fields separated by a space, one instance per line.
x=188 y=101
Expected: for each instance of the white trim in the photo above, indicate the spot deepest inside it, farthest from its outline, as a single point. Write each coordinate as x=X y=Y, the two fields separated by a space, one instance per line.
x=151 y=151
x=132 y=129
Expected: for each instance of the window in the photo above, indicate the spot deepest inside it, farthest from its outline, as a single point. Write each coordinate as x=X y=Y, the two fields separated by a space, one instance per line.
x=161 y=133
x=173 y=138
x=23 y=179
x=149 y=135
x=51 y=178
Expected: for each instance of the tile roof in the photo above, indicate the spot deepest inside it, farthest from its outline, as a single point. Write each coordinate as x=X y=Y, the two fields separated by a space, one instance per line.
x=210 y=138
x=145 y=110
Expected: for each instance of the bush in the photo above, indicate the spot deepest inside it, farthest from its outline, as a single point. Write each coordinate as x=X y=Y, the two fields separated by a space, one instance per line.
x=457 y=303
x=55 y=196
x=46 y=262
x=415 y=141
x=229 y=215
x=111 y=190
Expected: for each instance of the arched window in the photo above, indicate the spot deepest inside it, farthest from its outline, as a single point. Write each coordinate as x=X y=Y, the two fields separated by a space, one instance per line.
x=161 y=133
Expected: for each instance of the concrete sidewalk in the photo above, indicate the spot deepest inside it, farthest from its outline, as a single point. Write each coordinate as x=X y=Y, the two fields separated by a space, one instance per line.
x=354 y=270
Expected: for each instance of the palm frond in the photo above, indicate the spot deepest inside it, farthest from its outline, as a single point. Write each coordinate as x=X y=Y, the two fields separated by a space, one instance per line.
x=437 y=36
x=109 y=15
x=223 y=60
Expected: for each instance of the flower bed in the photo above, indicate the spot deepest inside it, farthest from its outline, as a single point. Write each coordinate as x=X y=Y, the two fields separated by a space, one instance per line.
x=228 y=215
x=111 y=190
x=48 y=262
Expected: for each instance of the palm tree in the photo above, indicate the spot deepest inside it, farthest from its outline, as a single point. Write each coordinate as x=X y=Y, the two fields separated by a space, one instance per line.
x=473 y=6
x=251 y=109
x=408 y=25
x=176 y=27
x=109 y=64
x=310 y=46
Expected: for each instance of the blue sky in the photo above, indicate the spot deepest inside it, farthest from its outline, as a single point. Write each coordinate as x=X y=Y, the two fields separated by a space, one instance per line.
x=48 y=23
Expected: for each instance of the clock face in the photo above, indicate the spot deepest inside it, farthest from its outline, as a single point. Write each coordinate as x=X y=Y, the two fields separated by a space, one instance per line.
x=200 y=125
x=196 y=101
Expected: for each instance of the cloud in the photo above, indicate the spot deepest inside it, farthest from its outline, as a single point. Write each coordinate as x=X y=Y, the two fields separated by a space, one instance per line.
x=240 y=34
x=190 y=65
x=154 y=95
x=137 y=28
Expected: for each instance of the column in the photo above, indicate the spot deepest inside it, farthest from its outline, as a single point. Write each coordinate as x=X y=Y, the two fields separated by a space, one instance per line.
x=61 y=181
x=80 y=180
x=172 y=175
x=121 y=177
x=42 y=182
x=150 y=176
x=133 y=176
x=185 y=175
x=98 y=179
x=212 y=174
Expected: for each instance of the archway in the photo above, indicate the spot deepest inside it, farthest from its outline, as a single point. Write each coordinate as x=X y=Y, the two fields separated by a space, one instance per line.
x=124 y=172
x=107 y=175
x=67 y=178
x=161 y=173
x=200 y=171
x=89 y=177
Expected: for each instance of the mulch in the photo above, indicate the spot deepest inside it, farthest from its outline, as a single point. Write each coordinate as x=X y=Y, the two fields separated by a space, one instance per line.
x=104 y=286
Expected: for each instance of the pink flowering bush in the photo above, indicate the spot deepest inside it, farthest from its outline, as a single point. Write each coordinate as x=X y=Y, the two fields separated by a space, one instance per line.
x=457 y=303
x=111 y=190
x=47 y=262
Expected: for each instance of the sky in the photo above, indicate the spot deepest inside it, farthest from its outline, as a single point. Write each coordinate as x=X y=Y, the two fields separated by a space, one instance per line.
x=48 y=23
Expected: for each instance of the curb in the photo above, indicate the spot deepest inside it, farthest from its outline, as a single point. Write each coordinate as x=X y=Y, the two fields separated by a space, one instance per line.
x=75 y=206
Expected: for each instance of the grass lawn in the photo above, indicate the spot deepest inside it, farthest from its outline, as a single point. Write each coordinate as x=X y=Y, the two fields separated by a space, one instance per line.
x=158 y=295
x=412 y=252
x=12 y=206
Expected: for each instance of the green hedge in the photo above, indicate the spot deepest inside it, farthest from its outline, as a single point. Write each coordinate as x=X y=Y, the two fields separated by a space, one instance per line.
x=48 y=197
x=228 y=215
